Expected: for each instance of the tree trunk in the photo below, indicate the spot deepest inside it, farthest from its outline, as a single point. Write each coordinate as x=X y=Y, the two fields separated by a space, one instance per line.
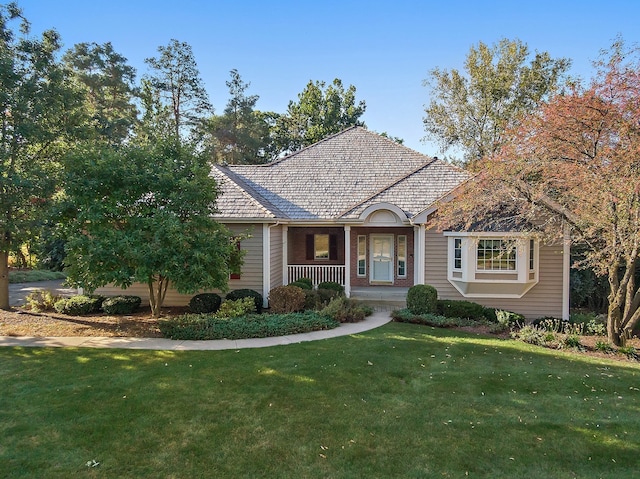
x=614 y=330
x=4 y=280
x=157 y=293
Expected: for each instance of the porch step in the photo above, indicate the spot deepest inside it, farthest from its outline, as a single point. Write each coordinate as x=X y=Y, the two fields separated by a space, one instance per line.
x=396 y=296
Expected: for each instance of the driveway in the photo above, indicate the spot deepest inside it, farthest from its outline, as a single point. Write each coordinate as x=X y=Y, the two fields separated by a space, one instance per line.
x=19 y=291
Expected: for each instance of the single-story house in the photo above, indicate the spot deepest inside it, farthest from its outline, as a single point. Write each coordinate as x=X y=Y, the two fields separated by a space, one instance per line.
x=355 y=208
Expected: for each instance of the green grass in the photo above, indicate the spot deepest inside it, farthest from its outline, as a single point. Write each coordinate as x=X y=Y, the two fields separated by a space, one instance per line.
x=400 y=401
x=34 y=275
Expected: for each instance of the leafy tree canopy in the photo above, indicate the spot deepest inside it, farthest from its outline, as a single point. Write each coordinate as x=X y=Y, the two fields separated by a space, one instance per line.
x=176 y=79
x=39 y=113
x=319 y=112
x=574 y=161
x=109 y=88
x=144 y=214
x=471 y=110
x=241 y=134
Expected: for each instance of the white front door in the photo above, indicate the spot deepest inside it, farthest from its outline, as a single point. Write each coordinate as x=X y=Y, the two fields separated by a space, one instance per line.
x=382 y=258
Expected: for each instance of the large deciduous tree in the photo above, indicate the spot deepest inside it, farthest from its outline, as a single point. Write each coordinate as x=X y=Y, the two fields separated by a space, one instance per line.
x=108 y=84
x=176 y=77
x=471 y=110
x=575 y=161
x=37 y=111
x=145 y=214
x=319 y=112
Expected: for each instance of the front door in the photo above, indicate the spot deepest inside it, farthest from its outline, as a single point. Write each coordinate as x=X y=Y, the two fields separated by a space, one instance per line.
x=382 y=258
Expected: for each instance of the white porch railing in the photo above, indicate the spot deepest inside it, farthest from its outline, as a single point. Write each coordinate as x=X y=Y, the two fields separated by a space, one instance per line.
x=317 y=274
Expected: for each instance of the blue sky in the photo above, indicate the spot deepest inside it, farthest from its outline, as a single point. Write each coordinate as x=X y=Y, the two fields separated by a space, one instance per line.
x=384 y=48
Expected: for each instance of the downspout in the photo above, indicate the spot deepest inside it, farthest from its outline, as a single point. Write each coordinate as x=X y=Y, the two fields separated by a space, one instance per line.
x=566 y=273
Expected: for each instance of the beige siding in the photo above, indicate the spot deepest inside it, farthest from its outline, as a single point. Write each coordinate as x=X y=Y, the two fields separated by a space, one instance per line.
x=276 y=257
x=250 y=278
x=544 y=299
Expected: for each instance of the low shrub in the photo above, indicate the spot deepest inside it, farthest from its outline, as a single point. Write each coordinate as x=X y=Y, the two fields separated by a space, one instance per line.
x=77 y=305
x=531 y=334
x=346 y=310
x=206 y=327
x=237 y=308
x=332 y=285
x=452 y=308
x=509 y=319
x=306 y=281
x=572 y=341
x=302 y=285
x=123 y=304
x=603 y=347
x=41 y=300
x=596 y=327
x=422 y=299
x=435 y=320
x=312 y=300
x=629 y=351
x=246 y=293
x=286 y=299
x=205 y=303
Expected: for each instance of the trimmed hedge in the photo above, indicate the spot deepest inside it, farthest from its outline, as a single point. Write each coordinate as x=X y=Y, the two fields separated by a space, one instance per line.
x=435 y=320
x=123 y=304
x=306 y=281
x=422 y=299
x=77 y=305
x=302 y=285
x=203 y=327
x=451 y=308
x=205 y=303
x=246 y=293
x=332 y=285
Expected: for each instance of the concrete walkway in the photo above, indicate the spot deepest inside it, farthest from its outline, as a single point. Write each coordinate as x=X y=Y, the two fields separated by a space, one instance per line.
x=376 y=320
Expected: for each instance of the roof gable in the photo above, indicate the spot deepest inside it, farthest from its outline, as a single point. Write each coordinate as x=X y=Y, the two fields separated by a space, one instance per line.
x=340 y=176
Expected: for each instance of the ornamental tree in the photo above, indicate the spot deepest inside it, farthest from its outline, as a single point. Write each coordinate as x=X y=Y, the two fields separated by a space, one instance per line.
x=574 y=163
x=144 y=214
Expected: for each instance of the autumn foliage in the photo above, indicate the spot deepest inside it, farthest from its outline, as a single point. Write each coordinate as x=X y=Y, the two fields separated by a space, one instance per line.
x=575 y=163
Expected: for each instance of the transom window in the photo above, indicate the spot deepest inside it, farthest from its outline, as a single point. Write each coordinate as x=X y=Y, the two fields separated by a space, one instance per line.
x=496 y=255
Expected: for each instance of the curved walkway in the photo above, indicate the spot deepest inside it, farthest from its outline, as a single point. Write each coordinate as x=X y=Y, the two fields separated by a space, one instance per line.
x=376 y=320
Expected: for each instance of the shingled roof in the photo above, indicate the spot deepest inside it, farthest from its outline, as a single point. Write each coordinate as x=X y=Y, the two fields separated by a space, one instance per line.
x=335 y=178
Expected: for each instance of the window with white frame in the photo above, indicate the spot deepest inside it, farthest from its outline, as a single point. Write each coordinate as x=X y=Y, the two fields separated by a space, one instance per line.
x=487 y=265
x=496 y=255
x=402 y=256
x=457 y=254
x=362 y=256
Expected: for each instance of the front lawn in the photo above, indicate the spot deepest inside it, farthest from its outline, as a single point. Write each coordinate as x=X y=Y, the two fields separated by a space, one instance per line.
x=400 y=401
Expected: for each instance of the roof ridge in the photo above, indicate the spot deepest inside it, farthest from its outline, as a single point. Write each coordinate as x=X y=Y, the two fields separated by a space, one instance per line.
x=251 y=192
x=431 y=161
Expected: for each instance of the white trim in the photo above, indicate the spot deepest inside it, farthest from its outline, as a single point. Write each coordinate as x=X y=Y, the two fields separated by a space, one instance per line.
x=285 y=254
x=566 y=274
x=421 y=252
x=347 y=261
x=416 y=255
x=369 y=210
x=266 y=263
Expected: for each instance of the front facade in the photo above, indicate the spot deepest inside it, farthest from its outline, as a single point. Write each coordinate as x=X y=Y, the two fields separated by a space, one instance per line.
x=355 y=209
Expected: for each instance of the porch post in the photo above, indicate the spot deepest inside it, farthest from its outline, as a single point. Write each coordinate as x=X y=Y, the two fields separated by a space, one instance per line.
x=347 y=261
x=416 y=256
x=266 y=263
x=420 y=253
x=285 y=254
